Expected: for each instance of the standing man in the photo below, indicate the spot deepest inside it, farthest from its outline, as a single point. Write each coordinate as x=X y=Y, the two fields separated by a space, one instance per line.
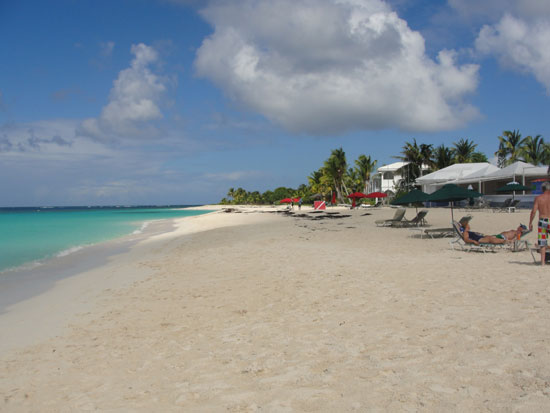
x=542 y=204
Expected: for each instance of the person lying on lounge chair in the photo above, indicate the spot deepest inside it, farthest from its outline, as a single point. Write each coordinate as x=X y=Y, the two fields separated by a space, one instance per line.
x=513 y=234
x=476 y=238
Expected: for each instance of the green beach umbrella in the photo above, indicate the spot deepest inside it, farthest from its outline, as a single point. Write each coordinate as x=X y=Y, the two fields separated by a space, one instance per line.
x=413 y=197
x=513 y=187
x=451 y=193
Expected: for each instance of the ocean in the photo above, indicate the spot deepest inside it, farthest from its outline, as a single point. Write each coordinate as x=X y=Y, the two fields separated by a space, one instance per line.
x=29 y=236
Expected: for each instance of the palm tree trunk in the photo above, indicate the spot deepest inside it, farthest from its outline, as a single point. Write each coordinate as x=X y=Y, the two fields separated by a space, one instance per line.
x=337 y=189
x=345 y=188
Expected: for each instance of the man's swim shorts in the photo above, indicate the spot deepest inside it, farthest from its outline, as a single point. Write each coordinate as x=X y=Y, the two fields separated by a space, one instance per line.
x=543 y=231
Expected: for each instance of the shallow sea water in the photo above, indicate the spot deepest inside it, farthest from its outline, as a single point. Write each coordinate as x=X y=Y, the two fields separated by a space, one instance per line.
x=28 y=236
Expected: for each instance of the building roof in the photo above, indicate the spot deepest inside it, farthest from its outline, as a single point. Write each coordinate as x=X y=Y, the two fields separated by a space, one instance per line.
x=455 y=172
x=518 y=168
x=463 y=173
x=479 y=175
x=392 y=167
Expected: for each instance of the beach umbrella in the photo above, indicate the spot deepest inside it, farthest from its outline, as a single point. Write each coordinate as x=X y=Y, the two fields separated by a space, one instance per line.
x=377 y=195
x=357 y=195
x=451 y=193
x=513 y=187
x=413 y=197
x=354 y=196
x=333 y=201
x=296 y=200
x=285 y=201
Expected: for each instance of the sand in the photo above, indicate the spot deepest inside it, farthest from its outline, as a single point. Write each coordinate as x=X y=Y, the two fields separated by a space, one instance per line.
x=260 y=311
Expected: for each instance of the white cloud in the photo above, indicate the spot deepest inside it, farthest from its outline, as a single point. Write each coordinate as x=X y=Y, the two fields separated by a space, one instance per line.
x=517 y=33
x=47 y=141
x=134 y=101
x=519 y=44
x=326 y=67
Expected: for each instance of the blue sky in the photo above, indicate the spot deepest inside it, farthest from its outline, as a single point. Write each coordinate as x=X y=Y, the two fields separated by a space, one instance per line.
x=175 y=101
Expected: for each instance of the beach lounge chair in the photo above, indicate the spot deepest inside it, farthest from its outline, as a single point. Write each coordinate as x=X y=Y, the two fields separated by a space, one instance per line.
x=466 y=246
x=378 y=204
x=479 y=203
x=417 y=221
x=504 y=207
x=513 y=205
x=399 y=215
x=522 y=244
x=435 y=232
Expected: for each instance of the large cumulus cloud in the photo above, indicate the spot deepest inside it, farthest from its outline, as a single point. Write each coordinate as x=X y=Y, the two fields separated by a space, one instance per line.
x=330 y=66
x=134 y=101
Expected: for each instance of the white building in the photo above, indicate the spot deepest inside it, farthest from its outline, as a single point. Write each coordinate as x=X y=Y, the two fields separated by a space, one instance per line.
x=487 y=178
x=387 y=177
x=456 y=173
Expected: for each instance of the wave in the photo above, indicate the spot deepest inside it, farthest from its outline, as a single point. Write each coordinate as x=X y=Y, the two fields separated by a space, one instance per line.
x=140 y=230
x=69 y=251
x=30 y=265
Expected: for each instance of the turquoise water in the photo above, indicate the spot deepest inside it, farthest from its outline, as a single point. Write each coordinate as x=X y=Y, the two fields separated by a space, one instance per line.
x=30 y=235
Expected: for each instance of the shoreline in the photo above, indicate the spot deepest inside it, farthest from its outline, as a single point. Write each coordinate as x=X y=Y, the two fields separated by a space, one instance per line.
x=30 y=265
x=266 y=311
x=24 y=292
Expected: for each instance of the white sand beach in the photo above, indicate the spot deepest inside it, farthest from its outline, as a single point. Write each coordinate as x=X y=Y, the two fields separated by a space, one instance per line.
x=254 y=310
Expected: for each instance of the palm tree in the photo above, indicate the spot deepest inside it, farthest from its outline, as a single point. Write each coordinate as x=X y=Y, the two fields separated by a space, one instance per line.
x=231 y=193
x=239 y=196
x=412 y=154
x=534 y=150
x=365 y=166
x=443 y=156
x=479 y=157
x=353 y=180
x=254 y=198
x=427 y=156
x=335 y=168
x=509 y=147
x=314 y=180
x=463 y=151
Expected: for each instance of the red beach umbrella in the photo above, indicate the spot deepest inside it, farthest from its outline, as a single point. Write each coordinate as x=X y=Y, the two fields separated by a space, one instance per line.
x=377 y=195
x=333 y=201
x=285 y=201
x=296 y=200
x=357 y=195
x=354 y=196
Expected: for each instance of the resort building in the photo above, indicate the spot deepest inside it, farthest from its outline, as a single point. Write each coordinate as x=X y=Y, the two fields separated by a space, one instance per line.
x=387 y=177
x=487 y=178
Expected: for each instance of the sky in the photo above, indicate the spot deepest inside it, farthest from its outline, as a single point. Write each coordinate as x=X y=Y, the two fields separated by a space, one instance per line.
x=133 y=102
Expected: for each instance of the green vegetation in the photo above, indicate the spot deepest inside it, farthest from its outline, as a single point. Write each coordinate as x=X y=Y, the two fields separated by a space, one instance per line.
x=333 y=176
x=336 y=177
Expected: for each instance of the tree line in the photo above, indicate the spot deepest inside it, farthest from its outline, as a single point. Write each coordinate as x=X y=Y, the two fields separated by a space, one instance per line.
x=338 y=177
